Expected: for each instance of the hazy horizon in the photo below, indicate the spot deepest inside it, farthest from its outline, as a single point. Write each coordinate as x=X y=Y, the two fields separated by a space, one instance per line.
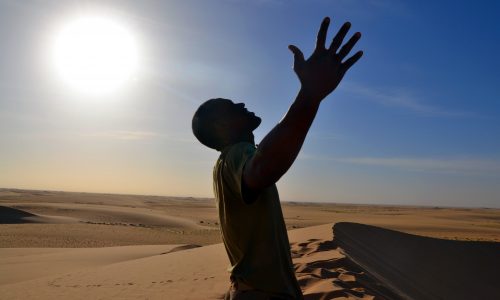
x=415 y=122
x=305 y=202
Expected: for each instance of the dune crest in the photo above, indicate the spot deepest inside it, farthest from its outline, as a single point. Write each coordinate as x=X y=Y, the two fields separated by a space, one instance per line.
x=420 y=267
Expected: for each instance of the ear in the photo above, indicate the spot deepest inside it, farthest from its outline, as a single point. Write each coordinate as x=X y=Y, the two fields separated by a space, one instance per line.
x=222 y=131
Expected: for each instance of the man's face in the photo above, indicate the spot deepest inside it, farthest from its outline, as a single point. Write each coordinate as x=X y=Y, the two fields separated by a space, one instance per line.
x=237 y=118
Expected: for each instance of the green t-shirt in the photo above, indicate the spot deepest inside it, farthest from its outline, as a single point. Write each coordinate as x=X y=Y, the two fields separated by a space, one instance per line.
x=254 y=234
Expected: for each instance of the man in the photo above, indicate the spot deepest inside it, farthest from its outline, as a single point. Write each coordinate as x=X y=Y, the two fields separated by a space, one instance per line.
x=251 y=221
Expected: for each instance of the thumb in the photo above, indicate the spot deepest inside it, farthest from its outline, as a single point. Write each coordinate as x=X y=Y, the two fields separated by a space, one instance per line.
x=297 y=54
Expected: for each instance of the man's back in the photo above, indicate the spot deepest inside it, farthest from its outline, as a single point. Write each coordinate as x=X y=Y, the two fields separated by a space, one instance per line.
x=254 y=234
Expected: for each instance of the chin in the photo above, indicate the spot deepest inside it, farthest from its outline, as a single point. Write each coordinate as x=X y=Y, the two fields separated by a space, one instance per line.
x=256 y=122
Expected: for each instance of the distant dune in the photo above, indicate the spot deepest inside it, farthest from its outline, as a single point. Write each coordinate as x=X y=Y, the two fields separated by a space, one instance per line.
x=93 y=213
x=9 y=215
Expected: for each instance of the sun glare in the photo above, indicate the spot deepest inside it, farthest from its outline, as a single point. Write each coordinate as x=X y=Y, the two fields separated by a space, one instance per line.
x=95 y=55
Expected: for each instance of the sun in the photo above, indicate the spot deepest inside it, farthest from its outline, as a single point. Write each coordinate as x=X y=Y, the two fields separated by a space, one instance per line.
x=95 y=55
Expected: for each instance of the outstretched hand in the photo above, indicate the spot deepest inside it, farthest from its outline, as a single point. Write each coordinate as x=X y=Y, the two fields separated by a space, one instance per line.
x=322 y=72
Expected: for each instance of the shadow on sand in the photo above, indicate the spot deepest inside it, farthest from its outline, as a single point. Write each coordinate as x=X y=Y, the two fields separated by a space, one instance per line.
x=9 y=215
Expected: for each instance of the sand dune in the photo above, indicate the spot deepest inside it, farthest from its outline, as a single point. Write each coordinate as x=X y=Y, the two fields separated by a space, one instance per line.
x=148 y=220
x=189 y=274
x=96 y=225
x=9 y=215
x=199 y=273
x=421 y=267
x=360 y=262
x=92 y=213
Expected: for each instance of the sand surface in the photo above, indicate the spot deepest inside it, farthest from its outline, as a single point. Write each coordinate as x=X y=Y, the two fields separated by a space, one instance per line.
x=43 y=262
x=58 y=245
x=198 y=273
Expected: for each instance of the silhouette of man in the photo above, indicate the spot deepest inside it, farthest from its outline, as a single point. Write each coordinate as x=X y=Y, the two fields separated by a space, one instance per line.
x=251 y=221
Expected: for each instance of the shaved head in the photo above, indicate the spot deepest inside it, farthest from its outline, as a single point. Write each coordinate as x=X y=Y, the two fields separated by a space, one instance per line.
x=219 y=122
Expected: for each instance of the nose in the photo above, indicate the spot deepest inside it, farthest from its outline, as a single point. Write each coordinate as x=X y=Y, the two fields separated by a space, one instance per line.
x=241 y=106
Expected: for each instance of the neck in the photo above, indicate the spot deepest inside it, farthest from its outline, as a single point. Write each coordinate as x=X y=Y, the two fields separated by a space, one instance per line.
x=249 y=138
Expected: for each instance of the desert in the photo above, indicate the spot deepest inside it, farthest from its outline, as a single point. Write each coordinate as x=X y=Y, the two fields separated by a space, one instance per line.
x=249 y=150
x=62 y=245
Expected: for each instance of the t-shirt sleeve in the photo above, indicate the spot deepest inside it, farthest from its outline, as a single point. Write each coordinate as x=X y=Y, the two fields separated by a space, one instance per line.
x=236 y=158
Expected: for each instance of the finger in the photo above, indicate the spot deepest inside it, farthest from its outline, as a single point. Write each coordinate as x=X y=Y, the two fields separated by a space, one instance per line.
x=323 y=29
x=351 y=60
x=349 y=45
x=297 y=54
x=337 y=40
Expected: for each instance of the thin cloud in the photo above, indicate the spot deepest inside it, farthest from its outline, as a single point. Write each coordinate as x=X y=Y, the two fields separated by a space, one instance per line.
x=451 y=165
x=457 y=165
x=401 y=98
x=132 y=135
x=260 y=2
x=124 y=135
x=324 y=136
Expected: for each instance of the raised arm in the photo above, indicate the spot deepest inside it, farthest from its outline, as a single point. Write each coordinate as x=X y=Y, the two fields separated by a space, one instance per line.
x=319 y=75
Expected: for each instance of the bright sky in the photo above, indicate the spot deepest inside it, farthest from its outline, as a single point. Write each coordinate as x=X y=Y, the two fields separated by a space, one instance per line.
x=415 y=121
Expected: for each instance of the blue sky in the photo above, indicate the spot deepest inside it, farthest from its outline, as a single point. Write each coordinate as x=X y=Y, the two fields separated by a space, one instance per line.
x=415 y=121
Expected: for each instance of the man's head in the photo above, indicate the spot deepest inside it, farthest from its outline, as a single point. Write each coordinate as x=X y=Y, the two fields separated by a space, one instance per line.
x=219 y=122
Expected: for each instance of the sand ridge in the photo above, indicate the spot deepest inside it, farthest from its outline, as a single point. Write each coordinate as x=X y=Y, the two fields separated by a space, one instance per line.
x=422 y=267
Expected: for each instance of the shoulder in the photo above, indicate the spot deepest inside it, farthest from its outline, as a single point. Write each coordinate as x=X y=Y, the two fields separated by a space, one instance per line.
x=233 y=159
